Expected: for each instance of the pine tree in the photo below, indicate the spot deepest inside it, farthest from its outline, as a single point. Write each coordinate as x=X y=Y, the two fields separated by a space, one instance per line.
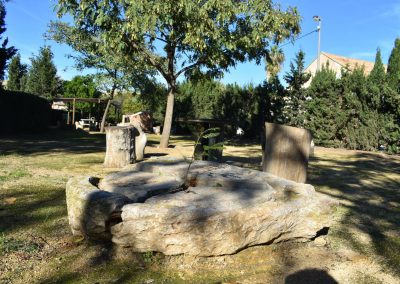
x=6 y=53
x=323 y=108
x=16 y=74
x=393 y=71
x=42 y=79
x=377 y=82
x=274 y=100
x=296 y=96
x=378 y=73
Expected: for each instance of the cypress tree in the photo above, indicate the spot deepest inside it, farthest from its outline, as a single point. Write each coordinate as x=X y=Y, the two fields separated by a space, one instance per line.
x=360 y=127
x=296 y=78
x=42 y=78
x=393 y=71
x=323 y=109
x=378 y=73
x=16 y=74
x=6 y=53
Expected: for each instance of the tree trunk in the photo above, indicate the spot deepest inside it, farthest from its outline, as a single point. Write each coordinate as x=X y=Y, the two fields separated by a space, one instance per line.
x=120 y=146
x=168 y=118
x=103 y=121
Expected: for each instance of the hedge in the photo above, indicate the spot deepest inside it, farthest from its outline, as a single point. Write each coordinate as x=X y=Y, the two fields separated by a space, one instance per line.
x=23 y=112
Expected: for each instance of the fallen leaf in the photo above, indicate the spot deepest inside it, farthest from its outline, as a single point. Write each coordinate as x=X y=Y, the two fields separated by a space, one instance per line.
x=10 y=200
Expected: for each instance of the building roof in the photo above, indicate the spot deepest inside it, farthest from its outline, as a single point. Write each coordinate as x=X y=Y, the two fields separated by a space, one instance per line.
x=350 y=63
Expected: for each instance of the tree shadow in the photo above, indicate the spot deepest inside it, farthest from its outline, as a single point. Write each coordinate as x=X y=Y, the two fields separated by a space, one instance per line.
x=310 y=276
x=25 y=214
x=52 y=141
x=368 y=187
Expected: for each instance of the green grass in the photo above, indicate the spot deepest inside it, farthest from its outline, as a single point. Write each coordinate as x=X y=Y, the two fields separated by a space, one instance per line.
x=9 y=245
x=36 y=245
x=19 y=173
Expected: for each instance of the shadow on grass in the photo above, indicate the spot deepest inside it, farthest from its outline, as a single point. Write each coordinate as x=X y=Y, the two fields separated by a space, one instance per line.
x=52 y=141
x=27 y=210
x=368 y=186
x=310 y=276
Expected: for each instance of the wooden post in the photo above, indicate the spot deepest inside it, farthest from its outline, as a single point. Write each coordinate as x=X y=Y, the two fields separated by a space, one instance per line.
x=120 y=146
x=286 y=151
x=73 y=111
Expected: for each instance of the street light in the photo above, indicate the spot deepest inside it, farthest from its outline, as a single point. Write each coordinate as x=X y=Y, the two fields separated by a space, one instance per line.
x=319 y=21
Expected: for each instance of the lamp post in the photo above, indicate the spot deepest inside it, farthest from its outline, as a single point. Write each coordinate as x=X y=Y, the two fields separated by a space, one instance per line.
x=319 y=21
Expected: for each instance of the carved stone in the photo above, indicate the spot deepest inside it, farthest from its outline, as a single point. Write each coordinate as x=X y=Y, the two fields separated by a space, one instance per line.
x=225 y=209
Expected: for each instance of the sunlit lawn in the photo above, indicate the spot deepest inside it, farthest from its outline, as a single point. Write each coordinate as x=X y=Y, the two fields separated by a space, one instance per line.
x=36 y=244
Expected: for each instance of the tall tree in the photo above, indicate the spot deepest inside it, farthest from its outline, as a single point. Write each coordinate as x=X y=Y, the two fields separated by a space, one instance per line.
x=323 y=109
x=114 y=71
x=377 y=84
x=185 y=36
x=42 y=79
x=393 y=70
x=81 y=87
x=296 y=95
x=378 y=73
x=17 y=73
x=6 y=53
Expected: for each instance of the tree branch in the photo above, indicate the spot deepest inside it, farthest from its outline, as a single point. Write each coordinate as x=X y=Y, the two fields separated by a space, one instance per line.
x=187 y=68
x=151 y=59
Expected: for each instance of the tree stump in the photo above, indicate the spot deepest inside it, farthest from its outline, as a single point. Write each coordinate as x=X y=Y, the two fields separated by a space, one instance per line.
x=120 y=146
x=286 y=151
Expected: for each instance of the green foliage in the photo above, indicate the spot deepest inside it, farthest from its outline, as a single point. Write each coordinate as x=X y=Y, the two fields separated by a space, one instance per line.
x=9 y=245
x=184 y=37
x=151 y=98
x=247 y=107
x=115 y=70
x=17 y=74
x=378 y=73
x=323 y=107
x=355 y=111
x=211 y=34
x=81 y=87
x=132 y=103
x=42 y=79
x=272 y=100
x=6 y=53
x=393 y=70
x=23 y=112
x=294 y=111
x=200 y=99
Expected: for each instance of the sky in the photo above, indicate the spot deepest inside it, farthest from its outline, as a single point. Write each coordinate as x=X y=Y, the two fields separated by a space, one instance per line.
x=352 y=28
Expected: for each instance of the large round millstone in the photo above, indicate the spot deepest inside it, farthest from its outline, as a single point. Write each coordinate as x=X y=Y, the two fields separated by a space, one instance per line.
x=225 y=209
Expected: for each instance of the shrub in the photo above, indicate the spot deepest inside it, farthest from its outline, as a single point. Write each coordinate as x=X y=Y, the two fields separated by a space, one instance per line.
x=23 y=112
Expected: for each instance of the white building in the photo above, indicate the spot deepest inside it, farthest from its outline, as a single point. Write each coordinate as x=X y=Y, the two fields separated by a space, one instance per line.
x=337 y=63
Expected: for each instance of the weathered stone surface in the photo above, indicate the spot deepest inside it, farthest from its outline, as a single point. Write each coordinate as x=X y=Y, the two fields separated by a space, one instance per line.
x=91 y=210
x=120 y=149
x=140 y=141
x=286 y=151
x=226 y=209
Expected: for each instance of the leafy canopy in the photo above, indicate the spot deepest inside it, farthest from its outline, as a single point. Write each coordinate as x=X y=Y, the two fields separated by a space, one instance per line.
x=17 y=73
x=185 y=36
x=114 y=70
x=393 y=71
x=6 y=53
x=43 y=80
x=295 y=79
